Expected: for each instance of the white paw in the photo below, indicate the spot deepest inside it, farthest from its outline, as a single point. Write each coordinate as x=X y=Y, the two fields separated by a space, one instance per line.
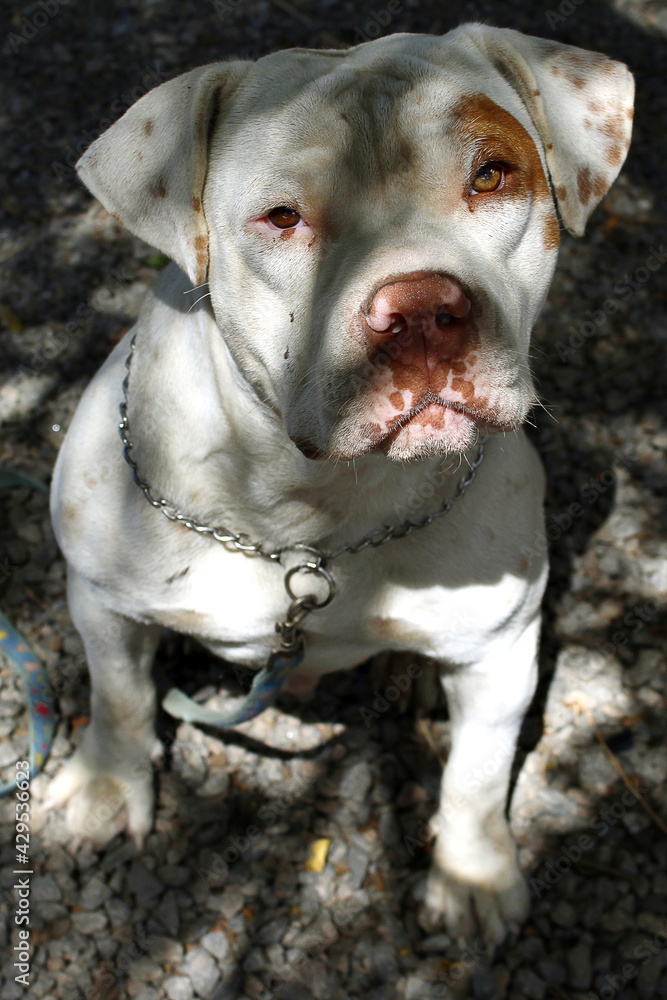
x=104 y=797
x=466 y=909
x=479 y=890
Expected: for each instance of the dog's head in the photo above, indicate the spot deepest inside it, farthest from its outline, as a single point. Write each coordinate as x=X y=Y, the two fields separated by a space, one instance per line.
x=377 y=226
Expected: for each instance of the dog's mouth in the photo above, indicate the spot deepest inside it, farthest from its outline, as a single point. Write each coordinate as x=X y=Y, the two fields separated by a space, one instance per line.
x=443 y=422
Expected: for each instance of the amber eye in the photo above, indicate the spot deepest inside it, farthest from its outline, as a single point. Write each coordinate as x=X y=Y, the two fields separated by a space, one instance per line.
x=488 y=178
x=284 y=217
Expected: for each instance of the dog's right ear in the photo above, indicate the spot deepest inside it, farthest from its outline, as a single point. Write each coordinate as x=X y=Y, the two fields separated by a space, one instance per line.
x=148 y=169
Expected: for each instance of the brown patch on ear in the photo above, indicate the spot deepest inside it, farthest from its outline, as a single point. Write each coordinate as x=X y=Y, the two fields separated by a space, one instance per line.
x=196 y=203
x=615 y=155
x=589 y=184
x=159 y=189
x=551 y=233
x=200 y=245
x=577 y=81
x=561 y=193
x=148 y=127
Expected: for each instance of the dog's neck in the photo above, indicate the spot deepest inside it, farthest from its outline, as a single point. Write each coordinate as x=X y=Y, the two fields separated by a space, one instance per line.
x=205 y=442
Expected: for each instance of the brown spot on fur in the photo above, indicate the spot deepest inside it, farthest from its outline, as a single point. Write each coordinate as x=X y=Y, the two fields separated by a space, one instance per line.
x=397 y=632
x=148 y=127
x=196 y=203
x=577 y=81
x=200 y=245
x=467 y=389
x=614 y=155
x=396 y=400
x=495 y=134
x=614 y=126
x=589 y=184
x=551 y=233
x=70 y=511
x=630 y=113
x=159 y=189
x=561 y=193
x=595 y=107
x=536 y=93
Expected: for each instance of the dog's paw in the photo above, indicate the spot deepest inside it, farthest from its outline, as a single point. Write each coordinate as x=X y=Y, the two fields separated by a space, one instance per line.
x=467 y=910
x=477 y=892
x=105 y=797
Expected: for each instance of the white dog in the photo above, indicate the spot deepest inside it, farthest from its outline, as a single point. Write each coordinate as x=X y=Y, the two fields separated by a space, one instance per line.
x=367 y=236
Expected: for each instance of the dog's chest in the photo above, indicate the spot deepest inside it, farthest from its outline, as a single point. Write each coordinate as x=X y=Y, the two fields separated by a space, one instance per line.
x=232 y=603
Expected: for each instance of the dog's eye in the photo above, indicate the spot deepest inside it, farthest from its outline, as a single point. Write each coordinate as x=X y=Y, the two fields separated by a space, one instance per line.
x=490 y=177
x=284 y=217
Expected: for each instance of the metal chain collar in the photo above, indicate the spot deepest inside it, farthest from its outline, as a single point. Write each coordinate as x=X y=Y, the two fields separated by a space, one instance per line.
x=316 y=562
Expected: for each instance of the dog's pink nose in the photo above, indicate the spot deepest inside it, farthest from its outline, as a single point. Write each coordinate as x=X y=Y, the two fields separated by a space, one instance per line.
x=421 y=303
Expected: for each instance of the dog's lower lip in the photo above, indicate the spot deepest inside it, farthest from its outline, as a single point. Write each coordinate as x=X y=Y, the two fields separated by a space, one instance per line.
x=400 y=422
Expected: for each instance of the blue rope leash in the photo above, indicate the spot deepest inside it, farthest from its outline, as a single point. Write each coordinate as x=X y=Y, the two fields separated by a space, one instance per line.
x=38 y=692
x=264 y=691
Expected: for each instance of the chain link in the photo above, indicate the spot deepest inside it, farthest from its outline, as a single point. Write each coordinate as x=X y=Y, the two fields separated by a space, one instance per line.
x=299 y=607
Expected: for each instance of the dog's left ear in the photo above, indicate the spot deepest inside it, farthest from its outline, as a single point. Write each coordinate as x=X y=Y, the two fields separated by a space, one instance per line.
x=580 y=102
x=148 y=169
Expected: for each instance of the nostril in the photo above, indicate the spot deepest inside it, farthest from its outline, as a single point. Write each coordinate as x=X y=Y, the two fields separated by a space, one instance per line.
x=442 y=318
x=383 y=321
x=397 y=324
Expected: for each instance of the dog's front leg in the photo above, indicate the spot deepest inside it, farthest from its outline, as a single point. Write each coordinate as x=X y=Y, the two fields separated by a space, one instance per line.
x=108 y=783
x=475 y=871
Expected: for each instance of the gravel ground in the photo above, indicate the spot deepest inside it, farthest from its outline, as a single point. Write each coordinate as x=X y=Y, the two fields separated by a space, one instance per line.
x=223 y=902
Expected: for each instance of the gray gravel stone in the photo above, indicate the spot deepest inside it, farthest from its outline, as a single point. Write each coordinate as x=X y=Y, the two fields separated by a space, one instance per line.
x=94 y=893
x=579 y=966
x=528 y=984
x=202 y=970
x=44 y=888
x=230 y=901
x=165 y=950
x=147 y=993
x=563 y=914
x=356 y=782
x=553 y=973
x=143 y=884
x=217 y=944
x=89 y=923
x=178 y=988
x=168 y=913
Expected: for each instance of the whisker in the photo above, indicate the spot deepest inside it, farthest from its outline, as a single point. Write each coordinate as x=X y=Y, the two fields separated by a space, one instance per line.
x=206 y=295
